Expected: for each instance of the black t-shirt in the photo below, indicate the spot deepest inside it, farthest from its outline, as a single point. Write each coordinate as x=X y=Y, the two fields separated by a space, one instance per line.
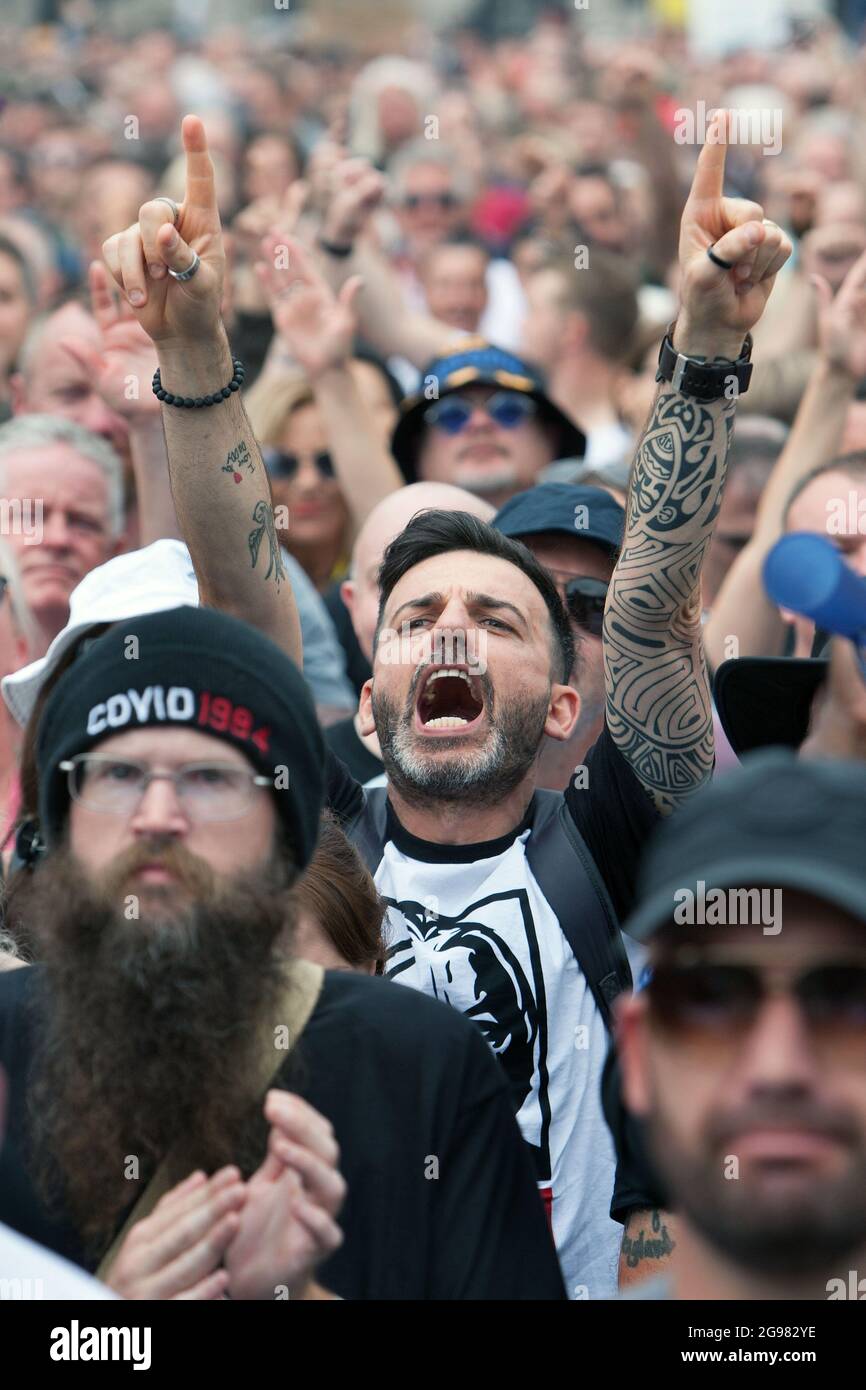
x=441 y=1198
x=342 y=739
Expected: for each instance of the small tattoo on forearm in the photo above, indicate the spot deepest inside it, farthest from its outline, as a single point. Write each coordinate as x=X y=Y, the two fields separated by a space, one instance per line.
x=239 y=457
x=263 y=515
x=643 y=1247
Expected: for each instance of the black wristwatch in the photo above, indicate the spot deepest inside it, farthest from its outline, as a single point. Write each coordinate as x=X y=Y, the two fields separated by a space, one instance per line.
x=705 y=380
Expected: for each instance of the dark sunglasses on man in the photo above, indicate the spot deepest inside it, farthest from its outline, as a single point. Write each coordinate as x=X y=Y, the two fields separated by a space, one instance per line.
x=715 y=997
x=585 y=599
x=508 y=409
x=285 y=466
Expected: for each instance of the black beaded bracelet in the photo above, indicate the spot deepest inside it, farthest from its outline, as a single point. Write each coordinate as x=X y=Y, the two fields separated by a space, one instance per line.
x=190 y=402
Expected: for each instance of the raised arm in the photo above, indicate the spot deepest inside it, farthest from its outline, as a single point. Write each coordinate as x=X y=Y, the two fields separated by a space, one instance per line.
x=658 y=697
x=221 y=490
x=318 y=328
x=743 y=610
x=121 y=368
x=387 y=321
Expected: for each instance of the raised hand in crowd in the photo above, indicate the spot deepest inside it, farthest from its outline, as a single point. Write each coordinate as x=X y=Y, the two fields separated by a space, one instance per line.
x=226 y=515
x=315 y=329
x=652 y=630
x=388 y=323
x=121 y=369
x=742 y=609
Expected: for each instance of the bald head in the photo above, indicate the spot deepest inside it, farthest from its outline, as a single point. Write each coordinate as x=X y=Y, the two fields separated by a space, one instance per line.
x=361 y=592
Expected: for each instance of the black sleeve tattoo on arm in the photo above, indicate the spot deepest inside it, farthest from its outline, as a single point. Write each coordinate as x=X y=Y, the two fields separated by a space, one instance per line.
x=659 y=709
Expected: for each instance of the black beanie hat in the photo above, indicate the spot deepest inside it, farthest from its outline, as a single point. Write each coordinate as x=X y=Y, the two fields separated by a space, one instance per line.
x=202 y=670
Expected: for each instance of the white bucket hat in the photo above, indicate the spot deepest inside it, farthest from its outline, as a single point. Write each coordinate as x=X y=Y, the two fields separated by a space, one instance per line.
x=151 y=580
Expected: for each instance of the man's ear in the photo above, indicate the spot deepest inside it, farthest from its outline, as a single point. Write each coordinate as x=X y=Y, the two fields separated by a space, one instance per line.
x=563 y=712
x=365 y=709
x=347 y=594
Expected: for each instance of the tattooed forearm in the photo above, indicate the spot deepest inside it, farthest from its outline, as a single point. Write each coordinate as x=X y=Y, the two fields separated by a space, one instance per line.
x=646 y=1246
x=263 y=516
x=239 y=458
x=658 y=696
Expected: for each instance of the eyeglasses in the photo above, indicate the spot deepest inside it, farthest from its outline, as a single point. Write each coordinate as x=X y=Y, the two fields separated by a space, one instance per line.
x=280 y=465
x=585 y=599
x=699 y=995
x=507 y=408
x=444 y=201
x=207 y=791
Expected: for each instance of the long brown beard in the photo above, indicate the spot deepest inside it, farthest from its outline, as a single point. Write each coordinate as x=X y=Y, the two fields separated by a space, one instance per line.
x=152 y=1027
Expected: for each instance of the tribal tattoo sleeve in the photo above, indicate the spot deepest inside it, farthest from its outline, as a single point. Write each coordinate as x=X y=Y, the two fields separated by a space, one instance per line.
x=659 y=710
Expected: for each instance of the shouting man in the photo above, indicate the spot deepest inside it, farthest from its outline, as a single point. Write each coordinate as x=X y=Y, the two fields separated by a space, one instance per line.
x=504 y=901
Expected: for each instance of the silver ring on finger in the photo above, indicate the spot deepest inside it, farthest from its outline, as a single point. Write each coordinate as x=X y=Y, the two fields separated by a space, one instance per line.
x=175 y=210
x=190 y=270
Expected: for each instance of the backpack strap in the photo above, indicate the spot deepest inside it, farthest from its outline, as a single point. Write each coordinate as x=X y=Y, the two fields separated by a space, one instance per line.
x=588 y=921
x=368 y=828
x=303 y=987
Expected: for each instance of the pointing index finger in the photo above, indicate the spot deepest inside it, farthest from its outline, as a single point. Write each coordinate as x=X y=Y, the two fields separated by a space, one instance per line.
x=709 y=179
x=200 y=187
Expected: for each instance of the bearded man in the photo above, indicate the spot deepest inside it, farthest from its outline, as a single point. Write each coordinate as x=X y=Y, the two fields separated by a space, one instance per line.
x=181 y=783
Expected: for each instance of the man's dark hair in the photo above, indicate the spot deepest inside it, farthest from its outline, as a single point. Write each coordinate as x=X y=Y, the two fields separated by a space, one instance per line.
x=436 y=532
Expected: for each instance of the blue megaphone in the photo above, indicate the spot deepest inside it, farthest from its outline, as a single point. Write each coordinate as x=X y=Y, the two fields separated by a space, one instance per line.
x=807 y=574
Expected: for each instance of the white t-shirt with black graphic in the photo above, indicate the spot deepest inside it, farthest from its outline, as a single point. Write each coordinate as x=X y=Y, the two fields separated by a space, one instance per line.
x=469 y=925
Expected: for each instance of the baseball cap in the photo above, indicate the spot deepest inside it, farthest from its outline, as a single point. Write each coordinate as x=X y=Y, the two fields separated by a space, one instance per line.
x=564 y=508
x=478 y=363
x=776 y=820
x=150 y=580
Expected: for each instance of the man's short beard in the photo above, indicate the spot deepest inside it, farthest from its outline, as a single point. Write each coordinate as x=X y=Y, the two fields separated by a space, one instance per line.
x=480 y=776
x=151 y=1028
x=796 y=1238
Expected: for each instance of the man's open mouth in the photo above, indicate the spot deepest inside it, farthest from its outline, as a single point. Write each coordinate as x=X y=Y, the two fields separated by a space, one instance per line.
x=448 y=699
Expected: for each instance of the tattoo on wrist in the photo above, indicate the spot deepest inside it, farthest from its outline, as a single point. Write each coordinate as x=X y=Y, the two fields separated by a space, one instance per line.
x=263 y=516
x=238 y=458
x=654 y=1246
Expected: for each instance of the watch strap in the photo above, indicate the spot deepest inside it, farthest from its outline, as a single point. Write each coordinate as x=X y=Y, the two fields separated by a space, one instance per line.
x=705 y=380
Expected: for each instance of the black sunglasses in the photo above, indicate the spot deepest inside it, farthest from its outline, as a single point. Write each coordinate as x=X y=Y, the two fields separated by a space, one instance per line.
x=280 y=465
x=719 y=999
x=585 y=600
